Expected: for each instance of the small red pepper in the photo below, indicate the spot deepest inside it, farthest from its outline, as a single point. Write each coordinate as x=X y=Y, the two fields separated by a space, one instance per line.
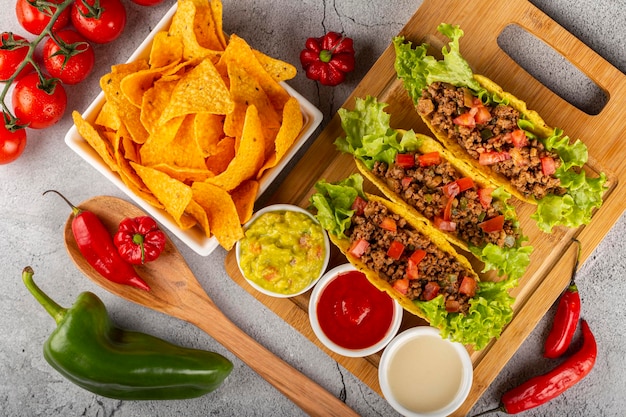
x=96 y=245
x=543 y=388
x=328 y=59
x=565 y=319
x=139 y=240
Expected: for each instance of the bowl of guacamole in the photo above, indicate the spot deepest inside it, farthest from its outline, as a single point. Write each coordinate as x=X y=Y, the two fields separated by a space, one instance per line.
x=284 y=251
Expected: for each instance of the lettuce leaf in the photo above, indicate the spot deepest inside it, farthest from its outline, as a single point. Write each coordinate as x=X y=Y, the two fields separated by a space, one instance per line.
x=369 y=136
x=418 y=70
x=490 y=311
x=334 y=203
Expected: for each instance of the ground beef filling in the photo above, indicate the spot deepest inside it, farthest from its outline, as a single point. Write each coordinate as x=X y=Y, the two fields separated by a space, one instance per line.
x=438 y=268
x=441 y=103
x=422 y=188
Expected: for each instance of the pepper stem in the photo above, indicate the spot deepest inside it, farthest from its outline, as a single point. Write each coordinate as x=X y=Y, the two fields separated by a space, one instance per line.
x=75 y=210
x=55 y=310
x=138 y=239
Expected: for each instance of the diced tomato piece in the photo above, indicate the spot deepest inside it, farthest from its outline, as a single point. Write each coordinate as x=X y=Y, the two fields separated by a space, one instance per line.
x=445 y=225
x=389 y=224
x=493 y=157
x=358 y=248
x=453 y=306
x=519 y=139
x=465 y=183
x=447 y=211
x=494 y=224
x=411 y=270
x=451 y=189
x=431 y=290
x=358 y=205
x=417 y=256
x=395 y=250
x=484 y=196
x=465 y=119
x=482 y=115
x=548 y=165
x=405 y=160
x=401 y=285
x=429 y=159
x=406 y=182
x=468 y=286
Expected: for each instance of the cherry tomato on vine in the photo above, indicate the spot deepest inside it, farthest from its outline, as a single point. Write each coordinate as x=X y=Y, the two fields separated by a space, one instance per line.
x=35 y=20
x=38 y=105
x=99 y=21
x=147 y=2
x=12 y=143
x=72 y=60
x=13 y=50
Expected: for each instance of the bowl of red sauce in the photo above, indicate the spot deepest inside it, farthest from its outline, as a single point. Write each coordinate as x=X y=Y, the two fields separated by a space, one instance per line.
x=350 y=316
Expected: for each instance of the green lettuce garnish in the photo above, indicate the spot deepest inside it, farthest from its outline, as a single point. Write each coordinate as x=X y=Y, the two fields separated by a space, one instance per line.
x=490 y=309
x=369 y=136
x=333 y=202
x=583 y=194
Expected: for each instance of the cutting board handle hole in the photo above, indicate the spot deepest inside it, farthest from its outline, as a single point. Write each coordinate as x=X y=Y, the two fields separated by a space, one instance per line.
x=552 y=69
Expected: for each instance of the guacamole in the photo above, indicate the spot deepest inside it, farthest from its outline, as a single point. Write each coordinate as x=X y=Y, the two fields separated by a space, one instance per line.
x=282 y=251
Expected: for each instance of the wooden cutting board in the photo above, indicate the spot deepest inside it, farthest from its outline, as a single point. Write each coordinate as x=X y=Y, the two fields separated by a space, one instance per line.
x=553 y=257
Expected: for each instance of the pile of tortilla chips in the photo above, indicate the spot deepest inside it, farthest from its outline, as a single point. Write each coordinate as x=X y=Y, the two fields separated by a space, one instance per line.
x=192 y=128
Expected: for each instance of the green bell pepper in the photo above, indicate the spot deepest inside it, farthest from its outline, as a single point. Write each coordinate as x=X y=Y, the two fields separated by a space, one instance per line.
x=89 y=350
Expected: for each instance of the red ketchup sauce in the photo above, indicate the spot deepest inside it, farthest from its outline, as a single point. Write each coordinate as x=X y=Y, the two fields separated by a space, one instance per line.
x=353 y=313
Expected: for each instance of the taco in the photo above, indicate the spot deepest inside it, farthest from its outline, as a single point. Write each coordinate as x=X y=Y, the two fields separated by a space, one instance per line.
x=410 y=260
x=495 y=131
x=416 y=171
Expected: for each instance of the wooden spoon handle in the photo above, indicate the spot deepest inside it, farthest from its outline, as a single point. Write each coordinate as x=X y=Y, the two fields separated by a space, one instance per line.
x=304 y=392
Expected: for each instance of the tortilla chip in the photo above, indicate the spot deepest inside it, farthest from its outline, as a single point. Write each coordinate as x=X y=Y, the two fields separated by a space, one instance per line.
x=288 y=133
x=108 y=117
x=196 y=211
x=186 y=13
x=277 y=69
x=221 y=211
x=173 y=194
x=182 y=150
x=217 y=11
x=154 y=102
x=96 y=141
x=184 y=174
x=244 y=197
x=249 y=157
x=239 y=53
x=136 y=84
x=209 y=130
x=224 y=153
x=166 y=48
x=200 y=90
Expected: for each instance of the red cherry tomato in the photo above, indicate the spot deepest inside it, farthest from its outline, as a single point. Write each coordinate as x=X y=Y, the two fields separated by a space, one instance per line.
x=72 y=61
x=147 y=2
x=13 y=50
x=12 y=143
x=35 y=20
x=39 y=106
x=100 y=21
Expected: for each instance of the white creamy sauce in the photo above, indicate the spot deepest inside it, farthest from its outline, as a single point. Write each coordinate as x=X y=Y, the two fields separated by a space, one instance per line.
x=425 y=373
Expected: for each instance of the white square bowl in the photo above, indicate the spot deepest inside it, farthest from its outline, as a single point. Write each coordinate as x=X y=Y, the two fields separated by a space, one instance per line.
x=194 y=237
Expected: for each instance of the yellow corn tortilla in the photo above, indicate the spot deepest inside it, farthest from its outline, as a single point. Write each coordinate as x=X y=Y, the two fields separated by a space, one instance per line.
x=419 y=223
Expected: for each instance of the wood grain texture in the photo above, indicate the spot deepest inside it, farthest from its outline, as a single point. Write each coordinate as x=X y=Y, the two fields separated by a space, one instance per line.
x=176 y=292
x=553 y=257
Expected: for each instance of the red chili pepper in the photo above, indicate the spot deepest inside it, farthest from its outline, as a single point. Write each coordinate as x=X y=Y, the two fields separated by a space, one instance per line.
x=541 y=389
x=96 y=245
x=565 y=319
x=328 y=59
x=139 y=240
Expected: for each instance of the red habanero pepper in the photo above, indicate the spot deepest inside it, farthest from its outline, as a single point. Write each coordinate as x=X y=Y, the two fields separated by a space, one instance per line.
x=328 y=59
x=565 y=319
x=96 y=245
x=139 y=240
x=543 y=388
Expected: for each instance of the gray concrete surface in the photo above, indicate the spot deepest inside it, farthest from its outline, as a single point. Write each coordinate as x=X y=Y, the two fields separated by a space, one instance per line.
x=31 y=234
